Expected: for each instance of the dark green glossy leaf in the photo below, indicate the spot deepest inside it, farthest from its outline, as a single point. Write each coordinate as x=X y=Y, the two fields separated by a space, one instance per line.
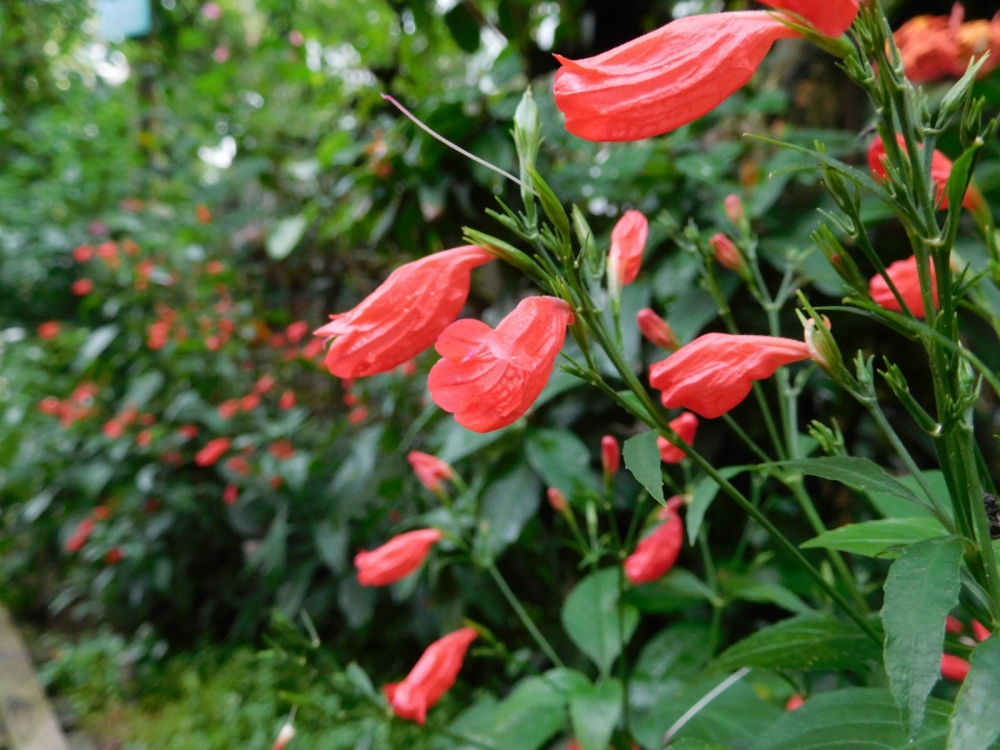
x=594 y=711
x=975 y=724
x=642 y=458
x=594 y=619
x=561 y=459
x=876 y=538
x=859 y=473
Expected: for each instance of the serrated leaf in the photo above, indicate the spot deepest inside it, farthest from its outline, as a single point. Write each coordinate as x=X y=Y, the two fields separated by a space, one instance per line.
x=594 y=711
x=855 y=718
x=806 y=642
x=596 y=621
x=921 y=589
x=975 y=723
x=642 y=458
x=876 y=538
x=859 y=473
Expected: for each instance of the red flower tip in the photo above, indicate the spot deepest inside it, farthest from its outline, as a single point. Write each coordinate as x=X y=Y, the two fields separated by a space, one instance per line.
x=114 y=556
x=431 y=677
x=397 y=558
x=667 y=78
x=734 y=208
x=628 y=243
x=83 y=253
x=49 y=330
x=611 y=455
x=953 y=625
x=557 y=499
x=686 y=426
x=213 y=451
x=980 y=631
x=490 y=378
x=287 y=400
x=265 y=385
x=941 y=167
x=430 y=470
x=656 y=554
x=656 y=330
x=80 y=536
x=231 y=494
x=905 y=276
x=715 y=372
x=727 y=253
x=795 y=702
x=404 y=315
x=82 y=287
x=954 y=668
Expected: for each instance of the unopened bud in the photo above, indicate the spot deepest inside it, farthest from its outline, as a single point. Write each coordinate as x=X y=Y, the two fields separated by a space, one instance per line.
x=611 y=455
x=285 y=736
x=734 y=209
x=727 y=253
x=822 y=347
x=657 y=330
x=557 y=500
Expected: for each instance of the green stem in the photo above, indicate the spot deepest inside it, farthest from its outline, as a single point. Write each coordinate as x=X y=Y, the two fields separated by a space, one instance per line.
x=526 y=620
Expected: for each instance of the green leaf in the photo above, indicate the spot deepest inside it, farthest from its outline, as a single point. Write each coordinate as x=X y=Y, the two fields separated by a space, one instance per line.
x=595 y=710
x=806 y=642
x=876 y=538
x=704 y=493
x=751 y=589
x=331 y=539
x=595 y=620
x=975 y=724
x=859 y=473
x=561 y=459
x=678 y=651
x=525 y=720
x=854 y=718
x=143 y=388
x=642 y=458
x=693 y=744
x=920 y=590
x=94 y=346
x=464 y=27
x=677 y=590
x=507 y=505
x=360 y=679
x=285 y=235
x=892 y=506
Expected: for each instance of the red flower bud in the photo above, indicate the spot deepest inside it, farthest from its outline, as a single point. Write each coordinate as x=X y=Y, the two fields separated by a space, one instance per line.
x=980 y=631
x=430 y=470
x=954 y=668
x=656 y=554
x=82 y=287
x=686 y=426
x=287 y=400
x=50 y=330
x=727 y=253
x=905 y=276
x=734 y=209
x=286 y=735
x=213 y=451
x=80 y=536
x=265 y=385
x=795 y=702
x=431 y=677
x=397 y=558
x=611 y=455
x=557 y=499
x=628 y=243
x=657 y=330
x=231 y=494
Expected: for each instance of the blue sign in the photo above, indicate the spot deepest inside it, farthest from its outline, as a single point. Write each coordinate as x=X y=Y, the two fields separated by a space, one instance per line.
x=124 y=18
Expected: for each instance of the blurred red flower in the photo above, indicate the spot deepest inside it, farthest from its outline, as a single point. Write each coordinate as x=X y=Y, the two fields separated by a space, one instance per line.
x=49 y=330
x=686 y=425
x=628 y=243
x=213 y=451
x=656 y=554
x=430 y=470
x=431 y=677
x=397 y=558
x=905 y=276
x=82 y=287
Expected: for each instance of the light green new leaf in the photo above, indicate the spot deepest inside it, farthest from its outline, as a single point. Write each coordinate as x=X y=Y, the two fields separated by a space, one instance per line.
x=859 y=473
x=808 y=642
x=595 y=710
x=642 y=458
x=921 y=589
x=975 y=723
x=876 y=538
x=596 y=621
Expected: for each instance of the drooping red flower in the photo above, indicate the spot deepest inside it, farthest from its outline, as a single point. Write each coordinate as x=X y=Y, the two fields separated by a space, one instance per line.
x=404 y=315
x=430 y=470
x=686 y=425
x=940 y=172
x=954 y=668
x=397 y=558
x=907 y=280
x=656 y=554
x=80 y=535
x=213 y=451
x=628 y=243
x=489 y=378
x=657 y=330
x=667 y=78
x=431 y=677
x=611 y=455
x=715 y=372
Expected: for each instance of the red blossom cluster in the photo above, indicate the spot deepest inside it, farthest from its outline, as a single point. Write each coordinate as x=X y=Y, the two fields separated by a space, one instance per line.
x=936 y=47
x=79 y=405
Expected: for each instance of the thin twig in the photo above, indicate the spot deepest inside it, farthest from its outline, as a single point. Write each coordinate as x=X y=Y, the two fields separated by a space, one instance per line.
x=708 y=698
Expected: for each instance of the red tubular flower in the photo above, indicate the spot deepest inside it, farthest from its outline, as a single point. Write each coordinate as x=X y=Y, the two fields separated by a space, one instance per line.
x=611 y=455
x=488 y=379
x=686 y=425
x=628 y=243
x=657 y=330
x=715 y=372
x=557 y=499
x=430 y=470
x=726 y=252
x=213 y=451
x=397 y=558
x=656 y=554
x=954 y=668
x=940 y=172
x=431 y=677
x=667 y=78
x=404 y=315
x=904 y=275
x=953 y=625
x=80 y=536
x=980 y=631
